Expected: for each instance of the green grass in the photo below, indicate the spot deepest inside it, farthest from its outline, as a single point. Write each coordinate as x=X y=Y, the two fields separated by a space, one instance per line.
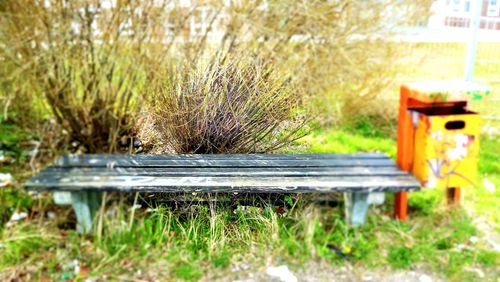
x=186 y=251
x=346 y=141
x=192 y=242
x=12 y=138
x=484 y=202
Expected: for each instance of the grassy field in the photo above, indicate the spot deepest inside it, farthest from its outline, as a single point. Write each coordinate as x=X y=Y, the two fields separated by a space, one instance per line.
x=196 y=240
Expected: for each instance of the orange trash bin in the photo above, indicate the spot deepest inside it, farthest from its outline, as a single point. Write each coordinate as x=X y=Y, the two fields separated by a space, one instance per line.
x=438 y=137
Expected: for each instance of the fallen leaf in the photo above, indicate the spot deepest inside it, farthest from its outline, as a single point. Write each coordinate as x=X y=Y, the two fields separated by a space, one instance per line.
x=84 y=271
x=280 y=210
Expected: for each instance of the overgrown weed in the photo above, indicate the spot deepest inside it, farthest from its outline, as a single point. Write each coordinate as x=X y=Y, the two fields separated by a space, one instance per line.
x=233 y=103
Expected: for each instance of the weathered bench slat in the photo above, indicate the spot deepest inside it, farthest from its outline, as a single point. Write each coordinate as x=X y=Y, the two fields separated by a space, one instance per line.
x=131 y=162
x=226 y=171
x=82 y=159
x=228 y=184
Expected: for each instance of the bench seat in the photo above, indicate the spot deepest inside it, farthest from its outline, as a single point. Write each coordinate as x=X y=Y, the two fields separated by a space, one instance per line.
x=358 y=175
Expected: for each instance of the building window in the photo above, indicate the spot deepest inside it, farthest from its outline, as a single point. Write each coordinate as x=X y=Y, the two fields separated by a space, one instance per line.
x=467 y=6
x=456 y=6
x=459 y=6
x=493 y=8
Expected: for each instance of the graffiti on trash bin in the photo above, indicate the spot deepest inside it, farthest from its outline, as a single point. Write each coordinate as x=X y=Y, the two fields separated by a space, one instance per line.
x=450 y=152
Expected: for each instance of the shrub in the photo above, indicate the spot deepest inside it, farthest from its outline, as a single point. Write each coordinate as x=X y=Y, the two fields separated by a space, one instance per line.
x=229 y=105
x=87 y=63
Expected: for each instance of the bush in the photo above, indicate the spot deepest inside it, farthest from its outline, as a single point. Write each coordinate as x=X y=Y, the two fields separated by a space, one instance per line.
x=86 y=63
x=231 y=105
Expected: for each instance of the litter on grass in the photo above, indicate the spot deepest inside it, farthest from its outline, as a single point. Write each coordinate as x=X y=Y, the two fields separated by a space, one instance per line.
x=282 y=273
x=17 y=216
x=5 y=179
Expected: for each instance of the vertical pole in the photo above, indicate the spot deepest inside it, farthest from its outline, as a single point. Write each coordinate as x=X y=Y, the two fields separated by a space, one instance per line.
x=470 y=59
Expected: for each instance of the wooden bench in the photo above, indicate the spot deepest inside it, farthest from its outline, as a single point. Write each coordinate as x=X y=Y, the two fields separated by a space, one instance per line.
x=360 y=176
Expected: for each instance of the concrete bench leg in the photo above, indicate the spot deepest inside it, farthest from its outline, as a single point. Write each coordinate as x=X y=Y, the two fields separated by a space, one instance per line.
x=356 y=208
x=85 y=205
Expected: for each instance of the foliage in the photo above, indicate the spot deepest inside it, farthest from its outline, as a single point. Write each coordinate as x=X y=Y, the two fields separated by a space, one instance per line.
x=13 y=200
x=11 y=139
x=234 y=104
x=90 y=64
x=338 y=51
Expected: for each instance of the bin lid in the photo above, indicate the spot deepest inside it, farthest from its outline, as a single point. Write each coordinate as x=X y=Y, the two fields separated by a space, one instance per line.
x=447 y=91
